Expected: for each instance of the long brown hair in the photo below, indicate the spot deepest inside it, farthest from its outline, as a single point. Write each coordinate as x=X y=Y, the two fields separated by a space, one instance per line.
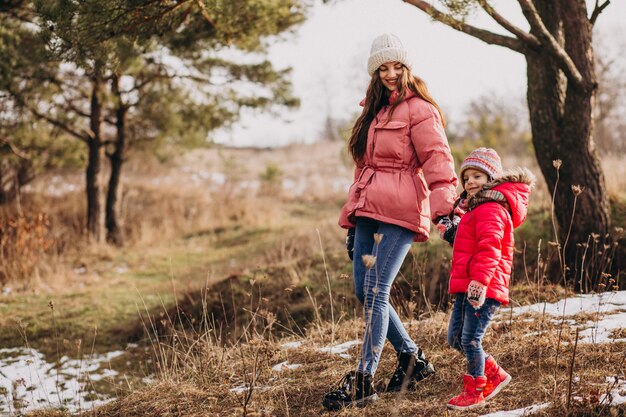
x=377 y=97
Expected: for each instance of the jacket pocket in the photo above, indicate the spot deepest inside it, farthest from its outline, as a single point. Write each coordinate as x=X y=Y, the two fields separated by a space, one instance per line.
x=389 y=140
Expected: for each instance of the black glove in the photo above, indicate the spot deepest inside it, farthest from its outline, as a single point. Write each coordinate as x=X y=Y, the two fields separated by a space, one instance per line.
x=447 y=228
x=350 y=243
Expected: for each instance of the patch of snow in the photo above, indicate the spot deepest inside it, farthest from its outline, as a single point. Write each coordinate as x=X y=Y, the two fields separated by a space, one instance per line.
x=31 y=382
x=291 y=345
x=617 y=395
x=608 y=305
x=526 y=411
x=244 y=388
x=285 y=365
x=107 y=373
x=341 y=348
x=601 y=332
x=240 y=389
x=584 y=303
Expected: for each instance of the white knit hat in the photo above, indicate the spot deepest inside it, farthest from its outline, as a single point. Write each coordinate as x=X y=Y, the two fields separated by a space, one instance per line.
x=386 y=48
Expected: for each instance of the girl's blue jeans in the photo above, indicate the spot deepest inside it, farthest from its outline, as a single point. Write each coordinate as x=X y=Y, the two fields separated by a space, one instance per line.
x=467 y=328
x=372 y=286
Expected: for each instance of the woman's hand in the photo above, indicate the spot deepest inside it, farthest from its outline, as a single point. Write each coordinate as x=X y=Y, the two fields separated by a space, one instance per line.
x=350 y=243
x=447 y=228
x=476 y=292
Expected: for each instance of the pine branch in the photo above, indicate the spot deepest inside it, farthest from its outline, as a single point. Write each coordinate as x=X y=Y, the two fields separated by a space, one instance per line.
x=482 y=34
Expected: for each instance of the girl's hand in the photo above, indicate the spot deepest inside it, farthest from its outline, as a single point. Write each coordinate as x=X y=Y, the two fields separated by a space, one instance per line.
x=476 y=292
x=447 y=228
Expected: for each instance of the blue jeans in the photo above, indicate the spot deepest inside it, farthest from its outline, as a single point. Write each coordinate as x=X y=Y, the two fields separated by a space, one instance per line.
x=372 y=287
x=467 y=328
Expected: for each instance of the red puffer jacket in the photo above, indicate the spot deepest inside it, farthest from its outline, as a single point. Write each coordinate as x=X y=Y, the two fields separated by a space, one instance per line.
x=484 y=244
x=407 y=176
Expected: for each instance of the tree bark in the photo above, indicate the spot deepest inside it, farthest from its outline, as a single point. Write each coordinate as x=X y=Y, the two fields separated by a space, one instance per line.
x=114 y=230
x=561 y=95
x=561 y=115
x=94 y=143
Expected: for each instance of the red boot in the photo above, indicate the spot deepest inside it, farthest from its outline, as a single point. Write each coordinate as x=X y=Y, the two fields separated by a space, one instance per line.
x=497 y=378
x=472 y=395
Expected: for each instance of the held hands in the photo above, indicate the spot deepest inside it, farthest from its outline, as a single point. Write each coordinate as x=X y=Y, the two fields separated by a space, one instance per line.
x=447 y=228
x=350 y=243
x=476 y=293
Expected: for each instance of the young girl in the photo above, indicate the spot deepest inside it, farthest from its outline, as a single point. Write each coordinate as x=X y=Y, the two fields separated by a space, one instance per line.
x=496 y=203
x=404 y=178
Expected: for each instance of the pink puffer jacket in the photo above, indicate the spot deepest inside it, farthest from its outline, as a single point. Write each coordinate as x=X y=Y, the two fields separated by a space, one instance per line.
x=484 y=244
x=407 y=176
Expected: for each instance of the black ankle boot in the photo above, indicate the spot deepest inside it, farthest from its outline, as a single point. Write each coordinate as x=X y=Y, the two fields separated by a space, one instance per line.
x=354 y=389
x=412 y=368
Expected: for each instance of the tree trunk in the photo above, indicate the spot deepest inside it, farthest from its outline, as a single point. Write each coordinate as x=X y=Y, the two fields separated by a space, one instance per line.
x=561 y=116
x=94 y=143
x=114 y=231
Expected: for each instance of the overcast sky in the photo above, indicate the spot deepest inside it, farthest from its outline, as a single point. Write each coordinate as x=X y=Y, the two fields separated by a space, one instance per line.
x=328 y=54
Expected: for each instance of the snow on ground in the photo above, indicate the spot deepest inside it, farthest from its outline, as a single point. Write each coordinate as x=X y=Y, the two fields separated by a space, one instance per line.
x=602 y=303
x=341 y=349
x=617 y=392
x=610 y=306
x=28 y=382
x=291 y=345
x=519 y=412
x=285 y=365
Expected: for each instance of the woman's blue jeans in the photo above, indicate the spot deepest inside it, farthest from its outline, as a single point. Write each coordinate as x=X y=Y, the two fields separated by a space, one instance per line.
x=372 y=286
x=467 y=328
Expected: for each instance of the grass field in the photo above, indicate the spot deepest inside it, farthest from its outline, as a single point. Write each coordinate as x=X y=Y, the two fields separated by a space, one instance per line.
x=216 y=277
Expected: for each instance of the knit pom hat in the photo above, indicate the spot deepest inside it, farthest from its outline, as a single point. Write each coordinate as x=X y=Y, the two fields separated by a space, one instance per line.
x=386 y=48
x=486 y=160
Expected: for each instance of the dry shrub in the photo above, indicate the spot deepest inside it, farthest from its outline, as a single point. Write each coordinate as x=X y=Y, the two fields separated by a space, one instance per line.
x=151 y=215
x=25 y=243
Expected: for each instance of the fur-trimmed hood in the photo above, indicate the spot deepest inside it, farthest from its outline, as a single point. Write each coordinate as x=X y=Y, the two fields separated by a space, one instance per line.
x=517 y=174
x=515 y=184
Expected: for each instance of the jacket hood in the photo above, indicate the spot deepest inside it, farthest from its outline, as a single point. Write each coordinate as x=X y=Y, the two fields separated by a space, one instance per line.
x=515 y=184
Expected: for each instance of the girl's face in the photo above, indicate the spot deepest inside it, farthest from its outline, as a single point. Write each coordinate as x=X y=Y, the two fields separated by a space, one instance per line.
x=390 y=74
x=474 y=181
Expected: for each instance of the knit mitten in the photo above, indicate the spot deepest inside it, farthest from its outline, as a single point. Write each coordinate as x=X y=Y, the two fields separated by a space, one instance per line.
x=476 y=292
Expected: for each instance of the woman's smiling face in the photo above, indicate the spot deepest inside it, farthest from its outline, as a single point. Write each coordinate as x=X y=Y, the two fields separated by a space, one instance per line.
x=390 y=74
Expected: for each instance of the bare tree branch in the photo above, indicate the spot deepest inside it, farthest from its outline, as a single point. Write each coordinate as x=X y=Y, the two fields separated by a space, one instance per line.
x=17 y=152
x=597 y=10
x=568 y=66
x=484 y=35
x=205 y=13
x=529 y=38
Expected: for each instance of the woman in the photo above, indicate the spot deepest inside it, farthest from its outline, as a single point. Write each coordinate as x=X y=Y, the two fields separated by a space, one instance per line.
x=404 y=177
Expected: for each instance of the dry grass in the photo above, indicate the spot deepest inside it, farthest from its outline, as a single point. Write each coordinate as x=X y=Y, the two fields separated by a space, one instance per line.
x=203 y=192
x=206 y=373
x=198 y=368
